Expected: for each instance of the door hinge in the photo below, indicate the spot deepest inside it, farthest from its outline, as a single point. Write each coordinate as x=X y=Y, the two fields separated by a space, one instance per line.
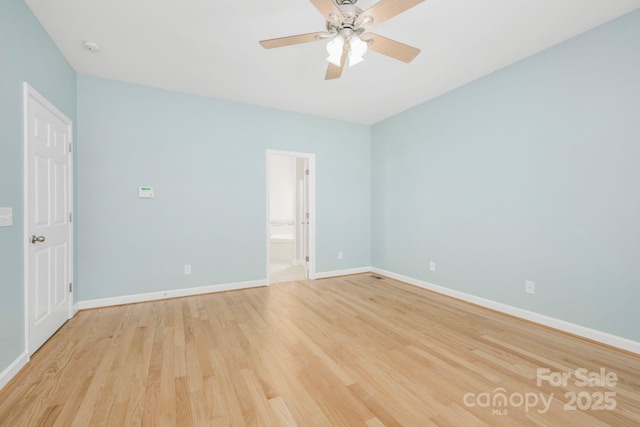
x=306 y=259
x=70 y=287
x=70 y=144
x=70 y=216
x=306 y=172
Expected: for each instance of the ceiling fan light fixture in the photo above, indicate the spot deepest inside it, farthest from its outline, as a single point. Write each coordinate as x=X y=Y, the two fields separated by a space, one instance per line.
x=334 y=49
x=357 y=49
x=353 y=60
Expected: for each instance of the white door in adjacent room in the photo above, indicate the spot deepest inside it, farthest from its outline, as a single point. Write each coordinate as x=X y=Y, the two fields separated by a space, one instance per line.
x=48 y=230
x=303 y=194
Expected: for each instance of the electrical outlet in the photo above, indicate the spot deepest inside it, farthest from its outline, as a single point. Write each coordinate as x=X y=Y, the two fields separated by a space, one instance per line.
x=529 y=287
x=187 y=269
x=339 y=255
x=432 y=266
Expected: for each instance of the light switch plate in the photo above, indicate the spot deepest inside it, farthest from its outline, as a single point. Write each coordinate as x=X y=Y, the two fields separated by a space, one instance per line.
x=6 y=217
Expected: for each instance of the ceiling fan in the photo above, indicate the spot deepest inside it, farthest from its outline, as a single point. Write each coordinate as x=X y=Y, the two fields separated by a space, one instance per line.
x=346 y=31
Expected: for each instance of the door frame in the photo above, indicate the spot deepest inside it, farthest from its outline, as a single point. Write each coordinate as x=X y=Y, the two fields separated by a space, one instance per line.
x=311 y=158
x=29 y=92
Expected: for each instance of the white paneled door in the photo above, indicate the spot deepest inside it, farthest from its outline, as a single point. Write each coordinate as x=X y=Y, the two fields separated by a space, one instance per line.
x=48 y=230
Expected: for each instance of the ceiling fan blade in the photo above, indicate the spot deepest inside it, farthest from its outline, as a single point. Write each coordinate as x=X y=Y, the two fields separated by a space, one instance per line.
x=386 y=9
x=333 y=71
x=326 y=8
x=287 y=41
x=392 y=48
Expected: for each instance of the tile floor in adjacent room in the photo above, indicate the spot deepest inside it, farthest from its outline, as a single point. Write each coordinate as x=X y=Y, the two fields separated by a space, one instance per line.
x=285 y=271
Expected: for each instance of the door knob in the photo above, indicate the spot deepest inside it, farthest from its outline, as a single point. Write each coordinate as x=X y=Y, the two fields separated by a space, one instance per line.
x=35 y=239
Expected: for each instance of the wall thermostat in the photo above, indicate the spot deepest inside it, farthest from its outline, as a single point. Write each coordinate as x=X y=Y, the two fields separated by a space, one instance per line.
x=145 y=192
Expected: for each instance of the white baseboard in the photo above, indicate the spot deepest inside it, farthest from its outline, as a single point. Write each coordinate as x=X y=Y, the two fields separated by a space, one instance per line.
x=346 y=272
x=13 y=369
x=572 y=328
x=174 y=293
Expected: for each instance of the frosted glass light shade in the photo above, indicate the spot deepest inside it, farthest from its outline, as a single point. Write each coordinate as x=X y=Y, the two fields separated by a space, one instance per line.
x=357 y=50
x=334 y=49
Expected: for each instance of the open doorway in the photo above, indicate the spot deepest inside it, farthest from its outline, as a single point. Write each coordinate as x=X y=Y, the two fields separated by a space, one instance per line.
x=290 y=206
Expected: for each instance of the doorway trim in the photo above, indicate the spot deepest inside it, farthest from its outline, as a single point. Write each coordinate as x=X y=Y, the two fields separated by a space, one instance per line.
x=29 y=92
x=311 y=158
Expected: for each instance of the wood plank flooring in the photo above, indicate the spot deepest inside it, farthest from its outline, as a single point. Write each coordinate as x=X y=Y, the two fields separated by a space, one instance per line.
x=350 y=351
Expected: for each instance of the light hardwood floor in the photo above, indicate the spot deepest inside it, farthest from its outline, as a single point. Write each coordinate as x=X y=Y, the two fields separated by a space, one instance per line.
x=351 y=351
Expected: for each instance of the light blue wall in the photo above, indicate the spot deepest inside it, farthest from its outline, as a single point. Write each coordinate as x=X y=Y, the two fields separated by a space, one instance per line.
x=206 y=159
x=26 y=54
x=531 y=173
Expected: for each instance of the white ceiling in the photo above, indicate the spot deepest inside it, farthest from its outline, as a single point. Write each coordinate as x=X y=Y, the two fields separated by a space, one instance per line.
x=210 y=48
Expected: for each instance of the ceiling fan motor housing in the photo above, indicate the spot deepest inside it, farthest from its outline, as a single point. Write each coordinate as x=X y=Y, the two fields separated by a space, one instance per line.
x=347 y=25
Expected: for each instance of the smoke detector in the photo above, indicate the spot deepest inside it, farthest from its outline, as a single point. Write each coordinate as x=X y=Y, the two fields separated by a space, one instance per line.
x=92 y=47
